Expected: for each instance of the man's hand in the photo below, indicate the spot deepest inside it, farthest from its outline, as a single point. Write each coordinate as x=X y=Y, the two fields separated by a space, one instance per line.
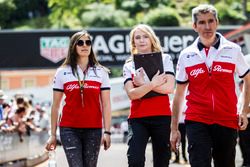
x=175 y=138
x=243 y=121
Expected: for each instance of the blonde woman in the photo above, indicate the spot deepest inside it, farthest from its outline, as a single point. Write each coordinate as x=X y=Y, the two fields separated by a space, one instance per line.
x=149 y=117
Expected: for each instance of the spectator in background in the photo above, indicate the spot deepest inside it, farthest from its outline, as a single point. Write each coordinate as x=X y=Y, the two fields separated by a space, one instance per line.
x=43 y=120
x=124 y=130
x=20 y=101
x=18 y=121
x=5 y=124
x=206 y=69
x=2 y=98
x=3 y=112
x=149 y=117
x=19 y=117
x=85 y=84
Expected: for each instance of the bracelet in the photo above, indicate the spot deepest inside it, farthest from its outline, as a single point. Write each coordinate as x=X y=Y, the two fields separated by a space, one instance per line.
x=107 y=132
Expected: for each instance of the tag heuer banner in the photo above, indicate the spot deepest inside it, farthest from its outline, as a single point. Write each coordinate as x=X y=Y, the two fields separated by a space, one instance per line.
x=48 y=48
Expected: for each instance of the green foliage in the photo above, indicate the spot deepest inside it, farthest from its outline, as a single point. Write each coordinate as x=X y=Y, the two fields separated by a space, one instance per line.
x=236 y=6
x=116 y=72
x=66 y=12
x=100 y=15
x=248 y=11
x=167 y=2
x=74 y=14
x=134 y=7
x=162 y=16
x=151 y=3
x=6 y=9
x=28 y=9
x=118 y=4
x=105 y=1
x=227 y=15
x=37 y=23
x=65 y=20
x=188 y=6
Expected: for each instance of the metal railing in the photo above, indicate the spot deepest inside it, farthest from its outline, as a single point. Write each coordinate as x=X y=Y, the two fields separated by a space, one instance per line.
x=29 y=148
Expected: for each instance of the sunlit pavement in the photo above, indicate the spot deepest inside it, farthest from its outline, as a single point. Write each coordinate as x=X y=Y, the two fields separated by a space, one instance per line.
x=116 y=156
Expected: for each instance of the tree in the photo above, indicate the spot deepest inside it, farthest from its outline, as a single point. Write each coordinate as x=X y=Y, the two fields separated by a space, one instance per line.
x=64 y=10
x=212 y=1
x=7 y=7
x=101 y=15
x=244 y=7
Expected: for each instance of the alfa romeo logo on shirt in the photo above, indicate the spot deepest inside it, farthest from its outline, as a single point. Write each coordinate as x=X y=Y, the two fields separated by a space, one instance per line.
x=196 y=72
x=54 y=48
x=220 y=69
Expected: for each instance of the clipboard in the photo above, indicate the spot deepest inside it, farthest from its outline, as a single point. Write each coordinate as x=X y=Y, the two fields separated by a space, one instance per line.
x=151 y=63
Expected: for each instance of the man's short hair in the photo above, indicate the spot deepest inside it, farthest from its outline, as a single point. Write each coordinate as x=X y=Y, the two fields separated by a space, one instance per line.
x=203 y=9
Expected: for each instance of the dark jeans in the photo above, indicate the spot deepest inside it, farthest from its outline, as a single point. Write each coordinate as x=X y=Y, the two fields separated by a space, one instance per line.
x=140 y=129
x=244 y=136
x=211 y=141
x=81 y=145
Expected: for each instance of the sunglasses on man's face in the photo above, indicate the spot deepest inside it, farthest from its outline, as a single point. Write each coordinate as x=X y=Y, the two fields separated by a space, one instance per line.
x=82 y=42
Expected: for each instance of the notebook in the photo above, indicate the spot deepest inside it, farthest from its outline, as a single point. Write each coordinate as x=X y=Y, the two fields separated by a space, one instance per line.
x=151 y=63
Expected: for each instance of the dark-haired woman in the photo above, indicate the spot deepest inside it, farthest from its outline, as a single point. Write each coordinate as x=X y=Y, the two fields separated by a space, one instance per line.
x=85 y=84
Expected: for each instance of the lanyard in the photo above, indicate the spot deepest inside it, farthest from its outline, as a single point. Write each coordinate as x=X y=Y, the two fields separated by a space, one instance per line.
x=81 y=83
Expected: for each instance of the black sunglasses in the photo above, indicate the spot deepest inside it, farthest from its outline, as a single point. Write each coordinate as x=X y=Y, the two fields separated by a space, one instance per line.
x=81 y=42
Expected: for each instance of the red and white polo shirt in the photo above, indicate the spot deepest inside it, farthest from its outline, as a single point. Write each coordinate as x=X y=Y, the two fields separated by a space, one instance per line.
x=73 y=113
x=211 y=96
x=153 y=106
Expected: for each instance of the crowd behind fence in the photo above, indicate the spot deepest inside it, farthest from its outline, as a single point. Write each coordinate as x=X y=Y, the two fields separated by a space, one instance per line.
x=24 y=129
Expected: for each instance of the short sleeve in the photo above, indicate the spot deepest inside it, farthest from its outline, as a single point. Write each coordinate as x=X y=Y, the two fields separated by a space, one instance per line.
x=127 y=71
x=58 y=81
x=181 y=75
x=105 y=80
x=168 y=64
x=242 y=68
